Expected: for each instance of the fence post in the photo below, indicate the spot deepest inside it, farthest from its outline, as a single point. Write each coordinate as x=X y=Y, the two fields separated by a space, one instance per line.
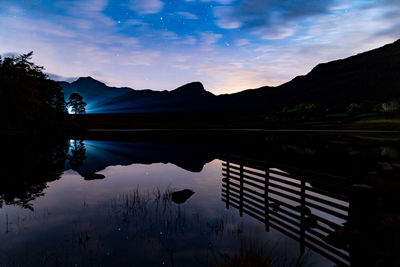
x=241 y=188
x=266 y=204
x=302 y=213
x=227 y=185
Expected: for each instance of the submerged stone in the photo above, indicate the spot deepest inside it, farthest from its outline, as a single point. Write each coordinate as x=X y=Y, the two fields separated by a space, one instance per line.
x=180 y=197
x=93 y=176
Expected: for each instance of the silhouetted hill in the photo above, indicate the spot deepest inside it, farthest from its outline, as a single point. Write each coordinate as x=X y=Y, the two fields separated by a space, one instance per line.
x=371 y=77
x=189 y=97
x=94 y=92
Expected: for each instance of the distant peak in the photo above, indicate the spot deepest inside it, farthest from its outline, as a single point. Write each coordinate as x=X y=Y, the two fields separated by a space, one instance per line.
x=88 y=79
x=193 y=86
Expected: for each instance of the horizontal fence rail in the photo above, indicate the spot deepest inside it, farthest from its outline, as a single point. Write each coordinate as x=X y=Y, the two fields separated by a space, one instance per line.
x=288 y=202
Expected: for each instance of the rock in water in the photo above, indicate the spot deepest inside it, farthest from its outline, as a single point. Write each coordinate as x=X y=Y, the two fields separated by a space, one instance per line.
x=93 y=176
x=180 y=197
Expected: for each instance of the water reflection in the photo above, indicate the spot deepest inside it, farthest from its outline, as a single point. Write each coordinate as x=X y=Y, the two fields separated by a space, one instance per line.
x=28 y=167
x=289 y=203
x=31 y=164
x=78 y=154
x=94 y=202
x=342 y=223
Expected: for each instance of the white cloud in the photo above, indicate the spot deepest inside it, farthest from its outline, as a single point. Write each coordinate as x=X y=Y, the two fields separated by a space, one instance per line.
x=144 y=7
x=266 y=49
x=225 y=2
x=242 y=42
x=224 y=19
x=169 y=35
x=187 y=15
x=189 y=40
x=134 y=22
x=87 y=14
x=208 y=41
x=277 y=33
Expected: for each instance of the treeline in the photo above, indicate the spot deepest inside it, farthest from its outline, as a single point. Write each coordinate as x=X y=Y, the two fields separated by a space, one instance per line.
x=311 y=111
x=29 y=100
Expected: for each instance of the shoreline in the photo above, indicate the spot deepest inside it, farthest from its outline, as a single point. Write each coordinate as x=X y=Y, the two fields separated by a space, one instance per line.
x=244 y=130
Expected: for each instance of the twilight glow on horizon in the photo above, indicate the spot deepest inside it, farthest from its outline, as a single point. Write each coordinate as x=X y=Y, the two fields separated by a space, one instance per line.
x=228 y=45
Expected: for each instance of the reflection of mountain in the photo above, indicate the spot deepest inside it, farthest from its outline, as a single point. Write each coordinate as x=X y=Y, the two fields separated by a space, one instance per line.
x=101 y=154
x=371 y=77
x=30 y=164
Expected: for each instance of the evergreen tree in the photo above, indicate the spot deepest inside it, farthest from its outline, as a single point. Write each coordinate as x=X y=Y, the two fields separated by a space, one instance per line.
x=28 y=99
x=77 y=104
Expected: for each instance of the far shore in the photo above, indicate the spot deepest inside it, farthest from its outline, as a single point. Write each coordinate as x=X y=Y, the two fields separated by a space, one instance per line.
x=246 y=130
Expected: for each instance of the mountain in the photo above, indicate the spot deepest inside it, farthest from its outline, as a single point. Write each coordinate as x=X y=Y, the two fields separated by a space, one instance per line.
x=370 y=77
x=189 y=97
x=94 y=92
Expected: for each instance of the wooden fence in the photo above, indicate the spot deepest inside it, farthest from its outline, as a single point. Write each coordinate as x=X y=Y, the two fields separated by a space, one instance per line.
x=289 y=200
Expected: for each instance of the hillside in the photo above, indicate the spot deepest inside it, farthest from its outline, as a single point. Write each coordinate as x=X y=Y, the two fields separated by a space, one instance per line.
x=94 y=92
x=372 y=77
x=189 y=97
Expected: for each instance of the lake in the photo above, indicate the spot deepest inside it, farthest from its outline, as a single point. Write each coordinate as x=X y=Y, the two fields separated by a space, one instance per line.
x=201 y=199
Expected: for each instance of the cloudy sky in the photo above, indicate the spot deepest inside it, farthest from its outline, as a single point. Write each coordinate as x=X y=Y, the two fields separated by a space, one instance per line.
x=229 y=45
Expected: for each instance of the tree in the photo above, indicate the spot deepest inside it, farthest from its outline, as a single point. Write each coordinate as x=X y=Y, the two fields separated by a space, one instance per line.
x=77 y=104
x=391 y=106
x=301 y=108
x=78 y=154
x=28 y=99
x=353 y=108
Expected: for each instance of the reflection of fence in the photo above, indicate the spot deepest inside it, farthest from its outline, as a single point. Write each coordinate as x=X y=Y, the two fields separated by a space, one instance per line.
x=288 y=202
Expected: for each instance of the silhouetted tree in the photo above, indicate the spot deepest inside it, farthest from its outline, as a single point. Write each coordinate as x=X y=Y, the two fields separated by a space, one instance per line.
x=77 y=104
x=301 y=108
x=29 y=165
x=353 y=108
x=78 y=154
x=27 y=97
x=391 y=106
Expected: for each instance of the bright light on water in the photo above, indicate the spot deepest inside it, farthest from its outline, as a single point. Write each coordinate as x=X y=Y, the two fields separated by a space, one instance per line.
x=70 y=110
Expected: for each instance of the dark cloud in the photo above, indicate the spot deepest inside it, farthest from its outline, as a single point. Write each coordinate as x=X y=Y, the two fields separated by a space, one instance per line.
x=390 y=12
x=392 y=31
x=253 y=13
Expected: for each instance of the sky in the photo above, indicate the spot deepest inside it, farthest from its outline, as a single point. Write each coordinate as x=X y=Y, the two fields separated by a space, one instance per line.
x=228 y=45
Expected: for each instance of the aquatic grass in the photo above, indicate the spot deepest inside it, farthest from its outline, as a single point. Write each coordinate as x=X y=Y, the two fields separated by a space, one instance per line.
x=142 y=227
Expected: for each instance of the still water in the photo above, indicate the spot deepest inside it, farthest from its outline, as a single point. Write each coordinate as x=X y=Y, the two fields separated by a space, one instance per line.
x=270 y=201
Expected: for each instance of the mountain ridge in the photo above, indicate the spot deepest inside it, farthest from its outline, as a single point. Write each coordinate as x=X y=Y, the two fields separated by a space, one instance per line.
x=371 y=76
